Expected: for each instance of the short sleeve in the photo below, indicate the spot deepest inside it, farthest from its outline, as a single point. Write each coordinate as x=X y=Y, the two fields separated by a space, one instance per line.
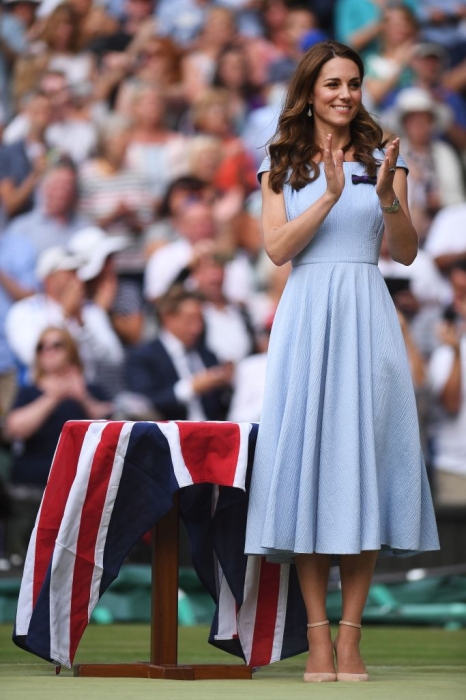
x=264 y=168
x=379 y=155
x=401 y=163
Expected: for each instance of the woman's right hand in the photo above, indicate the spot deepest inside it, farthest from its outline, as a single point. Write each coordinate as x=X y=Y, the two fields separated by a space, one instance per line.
x=334 y=172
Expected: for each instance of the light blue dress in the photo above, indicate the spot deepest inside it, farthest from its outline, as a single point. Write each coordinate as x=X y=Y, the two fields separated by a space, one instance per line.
x=338 y=465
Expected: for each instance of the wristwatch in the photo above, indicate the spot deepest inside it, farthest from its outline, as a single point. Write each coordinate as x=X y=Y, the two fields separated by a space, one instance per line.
x=392 y=208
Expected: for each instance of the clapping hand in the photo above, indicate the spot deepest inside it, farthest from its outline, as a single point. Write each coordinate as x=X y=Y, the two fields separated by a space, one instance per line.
x=384 y=187
x=334 y=170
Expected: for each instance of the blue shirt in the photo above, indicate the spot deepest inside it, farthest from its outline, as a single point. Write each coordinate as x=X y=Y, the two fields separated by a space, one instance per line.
x=18 y=260
x=44 y=231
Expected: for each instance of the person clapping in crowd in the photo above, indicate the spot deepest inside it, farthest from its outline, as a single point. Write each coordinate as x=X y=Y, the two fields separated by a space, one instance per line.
x=58 y=393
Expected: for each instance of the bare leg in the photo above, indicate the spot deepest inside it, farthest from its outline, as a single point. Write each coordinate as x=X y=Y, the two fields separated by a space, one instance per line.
x=356 y=574
x=313 y=572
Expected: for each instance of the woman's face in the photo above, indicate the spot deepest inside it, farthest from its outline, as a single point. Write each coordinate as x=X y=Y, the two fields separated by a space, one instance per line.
x=336 y=96
x=51 y=353
x=232 y=69
x=149 y=108
x=419 y=127
x=397 y=28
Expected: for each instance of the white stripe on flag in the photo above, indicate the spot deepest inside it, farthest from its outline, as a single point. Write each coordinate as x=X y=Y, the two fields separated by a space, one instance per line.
x=26 y=592
x=247 y=612
x=107 y=511
x=227 y=627
x=172 y=434
x=281 y=613
x=242 y=465
x=64 y=555
x=25 y=598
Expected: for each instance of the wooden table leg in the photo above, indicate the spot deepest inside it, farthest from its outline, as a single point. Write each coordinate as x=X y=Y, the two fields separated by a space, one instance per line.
x=164 y=621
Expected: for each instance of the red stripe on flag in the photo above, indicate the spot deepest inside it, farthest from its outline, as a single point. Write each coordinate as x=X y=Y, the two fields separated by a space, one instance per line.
x=91 y=516
x=55 y=497
x=210 y=451
x=266 y=614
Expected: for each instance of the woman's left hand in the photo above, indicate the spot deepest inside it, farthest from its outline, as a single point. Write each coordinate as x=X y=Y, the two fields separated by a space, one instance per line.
x=387 y=170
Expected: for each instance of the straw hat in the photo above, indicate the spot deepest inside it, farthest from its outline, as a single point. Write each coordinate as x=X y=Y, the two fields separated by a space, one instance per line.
x=416 y=99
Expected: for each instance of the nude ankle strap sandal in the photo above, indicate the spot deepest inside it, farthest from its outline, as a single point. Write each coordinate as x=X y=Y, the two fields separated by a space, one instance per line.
x=350 y=676
x=319 y=677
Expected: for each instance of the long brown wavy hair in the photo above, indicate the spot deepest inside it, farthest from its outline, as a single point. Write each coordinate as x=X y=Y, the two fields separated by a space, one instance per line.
x=293 y=147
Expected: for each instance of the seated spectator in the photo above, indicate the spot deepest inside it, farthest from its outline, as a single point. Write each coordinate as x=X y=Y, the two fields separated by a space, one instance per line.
x=58 y=393
x=446 y=239
x=435 y=171
x=198 y=232
x=121 y=299
x=62 y=303
x=181 y=377
x=228 y=331
x=447 y=371
x=17 y=281
x=271 y=45
x=180 y=192
x=198 y=65
x=211 y=116
x=23 y=163
x=57 y=47
x=428 y=64
x=390 y=67
x=232 y=75
x=418 y=292
x=158 y=61
x=17 y=18
x=154 y=150
x=54 y=219
x=115 y=197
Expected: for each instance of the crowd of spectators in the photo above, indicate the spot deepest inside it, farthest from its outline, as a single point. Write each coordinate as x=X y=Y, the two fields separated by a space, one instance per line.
x=133 y=283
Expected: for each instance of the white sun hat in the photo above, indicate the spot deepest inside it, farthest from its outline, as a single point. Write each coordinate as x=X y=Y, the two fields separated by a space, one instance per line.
x=54 y=259
x=416 y=99
x=93 y=245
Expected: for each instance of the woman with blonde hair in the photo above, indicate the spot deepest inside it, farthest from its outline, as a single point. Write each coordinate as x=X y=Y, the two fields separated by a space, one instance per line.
x=58 y=393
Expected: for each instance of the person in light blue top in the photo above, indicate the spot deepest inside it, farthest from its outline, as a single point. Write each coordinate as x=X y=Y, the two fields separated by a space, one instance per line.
x=338 y=469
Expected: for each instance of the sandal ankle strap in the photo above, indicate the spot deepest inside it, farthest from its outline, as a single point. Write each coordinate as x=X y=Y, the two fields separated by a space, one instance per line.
x=319 y=624
x=350 y=624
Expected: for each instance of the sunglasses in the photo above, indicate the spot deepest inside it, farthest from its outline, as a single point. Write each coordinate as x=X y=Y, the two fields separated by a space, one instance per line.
x=57 y=345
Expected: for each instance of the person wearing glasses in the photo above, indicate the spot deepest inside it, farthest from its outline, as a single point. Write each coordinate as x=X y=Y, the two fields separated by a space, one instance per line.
x=58 y=393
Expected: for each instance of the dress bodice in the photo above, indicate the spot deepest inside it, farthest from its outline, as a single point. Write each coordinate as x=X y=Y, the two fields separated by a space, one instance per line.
x=352 y=231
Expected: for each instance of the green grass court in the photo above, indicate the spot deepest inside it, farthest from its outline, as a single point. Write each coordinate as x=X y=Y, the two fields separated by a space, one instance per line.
x=403 y=662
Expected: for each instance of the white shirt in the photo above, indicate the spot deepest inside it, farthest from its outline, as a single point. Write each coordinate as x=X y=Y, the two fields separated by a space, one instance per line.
x=186 y=364
x=226 y=332
x=450 y=430
x=427 y=283
x=447 y=233
x=166 y=263
x=96 y=338
x=248 y=389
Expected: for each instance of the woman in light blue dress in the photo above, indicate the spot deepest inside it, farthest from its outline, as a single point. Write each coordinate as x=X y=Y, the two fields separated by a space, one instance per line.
x=338 y=468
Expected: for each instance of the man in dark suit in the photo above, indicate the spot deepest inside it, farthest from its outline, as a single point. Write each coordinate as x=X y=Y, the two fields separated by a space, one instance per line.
x=180 y=376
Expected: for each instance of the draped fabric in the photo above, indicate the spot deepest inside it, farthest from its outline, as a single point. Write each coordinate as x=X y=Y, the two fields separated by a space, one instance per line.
x=109 y=483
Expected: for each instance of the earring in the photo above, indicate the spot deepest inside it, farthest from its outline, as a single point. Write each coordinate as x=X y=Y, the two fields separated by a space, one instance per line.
x=309 y=111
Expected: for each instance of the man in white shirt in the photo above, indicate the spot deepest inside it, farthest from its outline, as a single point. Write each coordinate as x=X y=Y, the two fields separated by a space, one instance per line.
x=62 y=303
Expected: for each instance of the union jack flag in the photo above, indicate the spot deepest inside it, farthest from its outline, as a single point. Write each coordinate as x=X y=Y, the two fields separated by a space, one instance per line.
x=108 y=485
